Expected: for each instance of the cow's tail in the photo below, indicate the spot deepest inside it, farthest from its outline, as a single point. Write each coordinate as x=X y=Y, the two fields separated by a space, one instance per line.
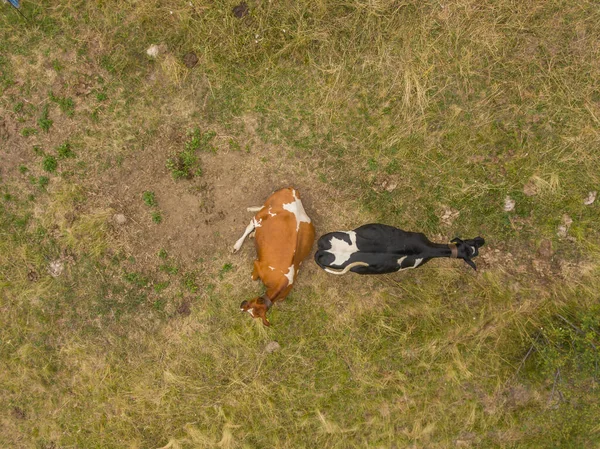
x=347 y=268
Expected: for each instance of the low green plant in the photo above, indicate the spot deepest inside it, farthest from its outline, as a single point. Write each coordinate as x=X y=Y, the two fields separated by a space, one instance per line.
x=169 y=269
x=26 y=132
x=137 y=279
x=64 y=151
x=66 y=104
x=184 y=165
x=200 y=141
x=156 y=217
x=149 y=198
x=225 y=269
x=43 y=181
x=49 y=164
x=160 y=286
x=44 y=122
x=189 y=282
x=234 y=145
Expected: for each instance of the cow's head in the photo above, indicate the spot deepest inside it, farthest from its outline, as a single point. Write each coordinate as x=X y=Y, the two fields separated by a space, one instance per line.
x=467 y=249
x=258 y=308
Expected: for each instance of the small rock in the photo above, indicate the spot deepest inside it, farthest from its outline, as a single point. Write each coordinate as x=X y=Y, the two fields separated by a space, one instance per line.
x=591 y=198
x=190 y=59
x=241 y=10
x=56 y=268
x=509 y=204
x=563 y=228
x=389 y=185
x=120 y=219
x=155 y=50
x=530 y=189
x=449 y=215
x=272 y=346
x=545 y=249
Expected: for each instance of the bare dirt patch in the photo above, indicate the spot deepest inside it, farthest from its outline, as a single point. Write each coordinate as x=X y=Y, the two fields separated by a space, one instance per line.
x=203 y=217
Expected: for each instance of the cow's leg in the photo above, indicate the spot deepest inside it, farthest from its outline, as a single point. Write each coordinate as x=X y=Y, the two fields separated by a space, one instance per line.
x=254 y=208
x=240 y=241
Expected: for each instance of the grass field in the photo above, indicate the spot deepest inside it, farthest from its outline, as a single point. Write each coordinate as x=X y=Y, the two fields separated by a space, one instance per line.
x=124 y=179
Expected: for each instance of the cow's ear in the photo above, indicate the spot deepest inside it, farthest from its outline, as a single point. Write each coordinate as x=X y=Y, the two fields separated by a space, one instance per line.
x=471 y=264
x=265 y=321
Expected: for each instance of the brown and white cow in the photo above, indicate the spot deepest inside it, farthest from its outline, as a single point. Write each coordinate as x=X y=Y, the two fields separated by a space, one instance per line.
x=284 y=236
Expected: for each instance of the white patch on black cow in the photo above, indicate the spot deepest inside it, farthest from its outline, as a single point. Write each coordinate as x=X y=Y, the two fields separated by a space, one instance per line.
x=341 y=249
x=400 y=267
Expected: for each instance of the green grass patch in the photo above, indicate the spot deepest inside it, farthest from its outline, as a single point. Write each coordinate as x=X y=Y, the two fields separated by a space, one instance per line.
x=66 y=104
x=65 y=151
x=149 y=199
x=49 y=164
x=44 y=122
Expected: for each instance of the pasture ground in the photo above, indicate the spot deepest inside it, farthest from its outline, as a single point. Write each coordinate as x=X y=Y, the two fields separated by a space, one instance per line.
x=124 y=180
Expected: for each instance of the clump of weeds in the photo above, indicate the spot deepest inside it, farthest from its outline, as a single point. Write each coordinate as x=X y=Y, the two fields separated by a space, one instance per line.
x=149 y=199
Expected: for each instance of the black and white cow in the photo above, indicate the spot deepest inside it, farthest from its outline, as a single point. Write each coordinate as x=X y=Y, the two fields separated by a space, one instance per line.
x=378 y=249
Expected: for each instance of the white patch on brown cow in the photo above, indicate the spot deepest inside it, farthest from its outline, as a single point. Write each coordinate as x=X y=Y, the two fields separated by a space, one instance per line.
x=297 y=209
x=290 y=274
x=271 y=268
x=341 y=249
x=271 y=213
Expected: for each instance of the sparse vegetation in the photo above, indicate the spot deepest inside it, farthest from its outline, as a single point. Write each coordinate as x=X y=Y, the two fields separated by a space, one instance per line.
x=225 y=269
x=425 y=115
x=26 y=132
x=66 y=104
x=43 y=181
x=149 y=199
x=184 y=165
x=64 y=151
x=200 y=141
x=44 y=121
x=49 y=164
x=156 y=217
